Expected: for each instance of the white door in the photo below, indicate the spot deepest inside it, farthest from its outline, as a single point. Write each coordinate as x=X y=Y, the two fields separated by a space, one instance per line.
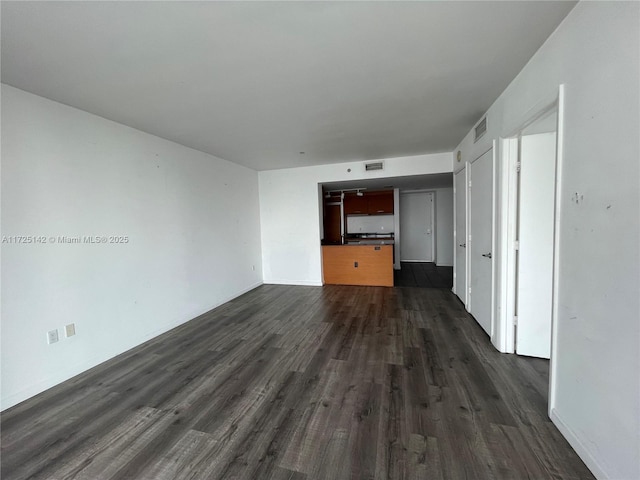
x=461 y=234
x=535 y=237
x=416 y=227
x=481 y=239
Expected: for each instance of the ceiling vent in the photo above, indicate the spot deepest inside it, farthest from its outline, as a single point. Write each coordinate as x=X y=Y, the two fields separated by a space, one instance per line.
x=373 y=166
x=481 y=129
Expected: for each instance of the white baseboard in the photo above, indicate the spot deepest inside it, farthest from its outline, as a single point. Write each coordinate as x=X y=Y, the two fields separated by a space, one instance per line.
x=235 y=295
x=303 y=283
x=591 y=463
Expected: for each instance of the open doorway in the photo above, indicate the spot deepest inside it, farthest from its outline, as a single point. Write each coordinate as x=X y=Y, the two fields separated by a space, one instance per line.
x=417 y=224
x=530 y=171
x=533 y=289
x=530 y=158
x=419 y=212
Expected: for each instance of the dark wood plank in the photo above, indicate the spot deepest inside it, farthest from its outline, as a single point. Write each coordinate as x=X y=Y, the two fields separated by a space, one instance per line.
x=423 y=275
x=284 y=474
x=302 y=383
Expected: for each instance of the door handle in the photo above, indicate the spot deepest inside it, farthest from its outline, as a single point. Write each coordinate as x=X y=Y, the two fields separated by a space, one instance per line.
x=463 y=245
x=487 y=255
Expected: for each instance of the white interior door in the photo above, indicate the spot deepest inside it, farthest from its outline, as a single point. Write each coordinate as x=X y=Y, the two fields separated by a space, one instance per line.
x=535 y=237
x=416 y=227
x=480 y=239
x=461 y=234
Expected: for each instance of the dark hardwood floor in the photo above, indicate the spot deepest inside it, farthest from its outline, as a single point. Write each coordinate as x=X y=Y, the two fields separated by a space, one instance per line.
x=423 y=275
x=286 y=382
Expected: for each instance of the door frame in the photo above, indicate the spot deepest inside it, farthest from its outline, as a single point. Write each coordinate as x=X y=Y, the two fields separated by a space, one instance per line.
x=508 y=176
x=465 y=288
x=494 y=217
x=510 y=155
x=433 y=220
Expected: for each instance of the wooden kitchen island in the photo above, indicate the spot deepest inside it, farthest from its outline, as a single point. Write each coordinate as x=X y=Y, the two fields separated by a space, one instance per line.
x=358 y=265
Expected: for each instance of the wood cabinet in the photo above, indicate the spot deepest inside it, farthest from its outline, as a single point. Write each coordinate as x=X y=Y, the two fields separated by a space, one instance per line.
x=373 y=203
x=358 y=265
x=332 y=233
x=370 y=203
x=355 y=205
x=380 y=203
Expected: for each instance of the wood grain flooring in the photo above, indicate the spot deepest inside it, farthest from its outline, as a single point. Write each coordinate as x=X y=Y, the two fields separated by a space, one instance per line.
x=300 y=383
x=423 y=275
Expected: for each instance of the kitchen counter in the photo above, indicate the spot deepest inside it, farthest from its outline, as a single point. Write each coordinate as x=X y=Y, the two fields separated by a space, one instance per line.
x=373 y=238
x=370 y=241
x=358 y=264
x=356 y=242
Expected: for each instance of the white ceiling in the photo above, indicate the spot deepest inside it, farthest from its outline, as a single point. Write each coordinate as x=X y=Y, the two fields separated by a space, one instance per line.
x=259 y=82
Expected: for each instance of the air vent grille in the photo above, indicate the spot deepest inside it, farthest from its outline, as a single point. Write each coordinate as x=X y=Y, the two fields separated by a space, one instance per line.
x=481 y=129
x=373 y=166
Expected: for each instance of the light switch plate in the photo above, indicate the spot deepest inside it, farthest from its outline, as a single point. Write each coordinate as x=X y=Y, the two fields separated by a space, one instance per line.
x=70 y=330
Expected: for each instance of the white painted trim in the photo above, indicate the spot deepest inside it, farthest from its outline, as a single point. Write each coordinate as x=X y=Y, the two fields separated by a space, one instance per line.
x=47 y=383
x=456 y=241
x=321 y=211
x=460 y=289
x=467 y=250
x=321 y=207
x=231 y=297
x=396 y=227
x=556 y=248
x=454 y=287
x=434 y=255
x=467 y=179
x=573 y=439
x=508 y=199
x=302 y=283
x=494 y=256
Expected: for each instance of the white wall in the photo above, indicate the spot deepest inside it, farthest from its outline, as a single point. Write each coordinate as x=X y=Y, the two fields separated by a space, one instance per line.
x=289 y=211
x=192 y=222
x=396 y=228
x=595 y=52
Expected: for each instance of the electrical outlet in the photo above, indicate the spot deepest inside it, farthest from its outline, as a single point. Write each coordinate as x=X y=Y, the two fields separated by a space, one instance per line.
x=52 y=336
x=70 y=330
